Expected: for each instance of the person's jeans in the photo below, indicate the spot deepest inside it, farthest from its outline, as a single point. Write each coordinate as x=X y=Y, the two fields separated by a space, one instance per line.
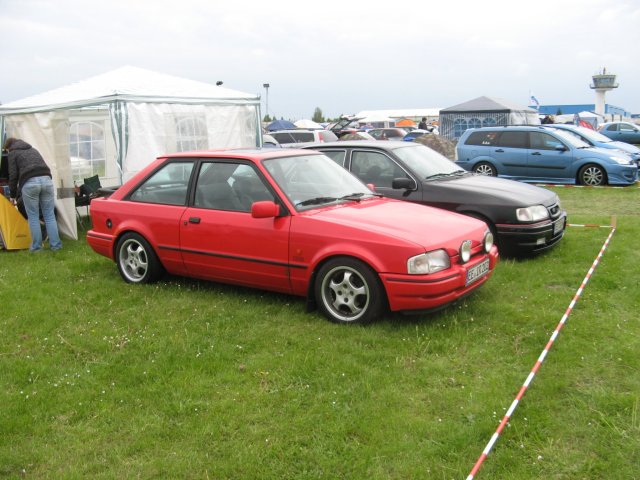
x=38 y=193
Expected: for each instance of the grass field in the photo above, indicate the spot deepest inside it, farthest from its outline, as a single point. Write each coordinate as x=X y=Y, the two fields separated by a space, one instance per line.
x=187 y=379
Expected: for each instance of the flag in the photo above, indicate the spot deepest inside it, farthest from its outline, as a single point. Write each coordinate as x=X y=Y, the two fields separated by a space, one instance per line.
x=534 y=101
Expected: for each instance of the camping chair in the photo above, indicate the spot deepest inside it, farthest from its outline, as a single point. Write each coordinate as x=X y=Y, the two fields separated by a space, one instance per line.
x=87 y=191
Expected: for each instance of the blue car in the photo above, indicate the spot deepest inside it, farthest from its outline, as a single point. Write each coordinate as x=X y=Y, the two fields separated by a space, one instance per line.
x=621 y=131
x=540 y=154
x=596 y=139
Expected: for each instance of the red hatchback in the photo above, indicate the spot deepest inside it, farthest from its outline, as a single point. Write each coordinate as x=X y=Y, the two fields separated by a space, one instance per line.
x=290 y=221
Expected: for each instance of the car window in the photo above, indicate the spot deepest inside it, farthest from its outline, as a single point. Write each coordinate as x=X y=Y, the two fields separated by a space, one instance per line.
x=613 y=127
x=303 y=136
x=283 y=137
x=624 y=127
x=482 y=138
x=167 y=186
x=376 y=168
x=327 y=136
x=513 y=140
x=229 y=186
x=544 y=141
x=337 y=156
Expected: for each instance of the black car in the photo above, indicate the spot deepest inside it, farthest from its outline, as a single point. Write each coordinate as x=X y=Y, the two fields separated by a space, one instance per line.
x=524 y=218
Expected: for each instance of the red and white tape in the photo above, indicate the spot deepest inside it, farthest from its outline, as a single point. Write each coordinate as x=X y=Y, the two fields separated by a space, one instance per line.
x=541 y=358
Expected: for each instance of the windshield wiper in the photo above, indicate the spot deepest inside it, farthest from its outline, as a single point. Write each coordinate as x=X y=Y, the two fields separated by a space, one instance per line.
x=356 y=197
x=316 y=201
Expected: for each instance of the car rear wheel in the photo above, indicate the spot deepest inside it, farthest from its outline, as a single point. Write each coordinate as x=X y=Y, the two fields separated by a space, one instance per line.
x=485 y=168
x=137 y=262
x=349 y=291
x=592 y=175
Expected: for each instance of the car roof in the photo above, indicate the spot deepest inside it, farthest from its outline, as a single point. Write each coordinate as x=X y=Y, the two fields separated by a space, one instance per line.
x=240 y=153
x=384 y=145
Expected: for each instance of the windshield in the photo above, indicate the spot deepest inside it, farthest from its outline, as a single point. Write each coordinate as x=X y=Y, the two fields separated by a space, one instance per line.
x=425 y=162
x=312 y=180
x=593 y=135
x=571 y=139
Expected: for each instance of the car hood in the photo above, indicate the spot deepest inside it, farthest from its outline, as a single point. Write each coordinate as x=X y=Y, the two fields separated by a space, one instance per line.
x=482 y=190
x=422 y=225
x=626 y=147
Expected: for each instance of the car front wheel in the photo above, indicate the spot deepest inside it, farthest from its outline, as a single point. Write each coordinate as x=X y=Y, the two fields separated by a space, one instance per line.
x=349 y=291
x=592 y=175
x=485 y=168
x=137 y=262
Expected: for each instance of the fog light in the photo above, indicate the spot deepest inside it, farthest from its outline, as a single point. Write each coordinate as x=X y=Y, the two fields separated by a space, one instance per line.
x=465 y=251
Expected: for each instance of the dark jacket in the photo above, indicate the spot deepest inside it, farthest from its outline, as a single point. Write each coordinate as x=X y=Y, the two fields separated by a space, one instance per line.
x=25 y=162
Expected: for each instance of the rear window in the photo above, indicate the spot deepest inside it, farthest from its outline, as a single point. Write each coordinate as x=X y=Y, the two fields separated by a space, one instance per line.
x=303 y=136
x=482 y=138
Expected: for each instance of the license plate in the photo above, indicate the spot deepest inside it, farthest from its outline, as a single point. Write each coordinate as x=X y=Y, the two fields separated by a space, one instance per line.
x=477 y=272
x=557 y=227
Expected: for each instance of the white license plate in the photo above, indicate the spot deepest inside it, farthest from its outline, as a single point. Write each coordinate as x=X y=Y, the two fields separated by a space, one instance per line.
x=557 y=227
x=477 y=272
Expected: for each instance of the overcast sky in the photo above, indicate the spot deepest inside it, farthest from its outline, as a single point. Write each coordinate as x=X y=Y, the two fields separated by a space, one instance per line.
x=340 y=56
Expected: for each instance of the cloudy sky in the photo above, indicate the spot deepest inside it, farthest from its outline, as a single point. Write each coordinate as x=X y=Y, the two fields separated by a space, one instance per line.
x=340 y=56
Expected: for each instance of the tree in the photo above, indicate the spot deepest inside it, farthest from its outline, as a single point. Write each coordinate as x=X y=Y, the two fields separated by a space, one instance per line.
x=266 y=118
x=317 y=115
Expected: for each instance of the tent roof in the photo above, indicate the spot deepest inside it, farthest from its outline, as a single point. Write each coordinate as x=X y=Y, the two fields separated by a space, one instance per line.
x=133 y=84
x=487 y=104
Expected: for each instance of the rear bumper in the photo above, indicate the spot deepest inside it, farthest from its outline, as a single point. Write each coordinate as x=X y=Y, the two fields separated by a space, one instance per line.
x=422 y=293
x=534 y=238
x=101 y=243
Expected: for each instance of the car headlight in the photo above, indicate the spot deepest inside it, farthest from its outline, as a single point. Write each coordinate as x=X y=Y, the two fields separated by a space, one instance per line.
x=621 y=160
x=533 y=213
x=430 y=262
x=487 y=242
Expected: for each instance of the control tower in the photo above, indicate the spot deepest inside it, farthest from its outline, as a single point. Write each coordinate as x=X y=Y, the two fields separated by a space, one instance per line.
x=602 y=83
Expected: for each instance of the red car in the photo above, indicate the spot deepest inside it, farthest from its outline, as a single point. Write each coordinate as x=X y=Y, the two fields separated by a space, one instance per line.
x=290 y=221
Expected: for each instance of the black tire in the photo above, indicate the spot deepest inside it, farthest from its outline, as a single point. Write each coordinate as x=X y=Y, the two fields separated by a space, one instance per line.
x=137 y=261
x=349 y=291
x=485 y=168
x=592 y=175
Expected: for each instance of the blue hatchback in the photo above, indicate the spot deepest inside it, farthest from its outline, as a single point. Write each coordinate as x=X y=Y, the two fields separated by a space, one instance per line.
x=540 y=154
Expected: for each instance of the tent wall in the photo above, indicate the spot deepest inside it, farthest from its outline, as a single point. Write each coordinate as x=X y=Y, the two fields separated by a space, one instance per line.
x=127 y=136
x=454 y=124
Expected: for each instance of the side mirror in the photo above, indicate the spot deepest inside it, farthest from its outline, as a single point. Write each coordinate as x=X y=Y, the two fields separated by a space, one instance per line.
x=561 y=148
x=403 y=183
x=265 y=209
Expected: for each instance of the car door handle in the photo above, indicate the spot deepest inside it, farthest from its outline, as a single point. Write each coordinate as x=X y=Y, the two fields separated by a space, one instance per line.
x=500 y=150
x=194 y=219
x=536 y=153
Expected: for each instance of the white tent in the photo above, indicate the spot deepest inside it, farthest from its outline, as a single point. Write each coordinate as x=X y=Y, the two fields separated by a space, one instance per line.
x=308 y=124
x=115 y=124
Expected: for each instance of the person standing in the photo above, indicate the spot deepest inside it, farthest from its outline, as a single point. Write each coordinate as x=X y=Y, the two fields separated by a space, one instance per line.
x=30 y=176
x=423 y=124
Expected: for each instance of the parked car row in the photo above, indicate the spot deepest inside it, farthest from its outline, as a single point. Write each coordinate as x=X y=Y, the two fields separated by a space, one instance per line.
x=543 y=154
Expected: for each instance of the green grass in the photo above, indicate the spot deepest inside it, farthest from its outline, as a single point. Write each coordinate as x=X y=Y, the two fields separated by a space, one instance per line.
x=188 y=379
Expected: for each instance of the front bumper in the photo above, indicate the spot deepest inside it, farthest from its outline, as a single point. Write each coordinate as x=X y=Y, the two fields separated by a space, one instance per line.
x=422 y=293
x=532 y=238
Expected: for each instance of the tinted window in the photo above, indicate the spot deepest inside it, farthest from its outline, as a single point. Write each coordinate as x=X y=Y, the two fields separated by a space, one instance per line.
x=376 y=168
x=283 y=137
x=167 y=186
x=303 y=136
x=482 y=138
x=544 y=141
x=613 y=127
x=514 y=140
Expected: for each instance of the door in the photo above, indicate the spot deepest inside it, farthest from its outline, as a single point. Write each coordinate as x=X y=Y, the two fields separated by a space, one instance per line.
x=221 y=241
x=510 y=153
x=548 y=157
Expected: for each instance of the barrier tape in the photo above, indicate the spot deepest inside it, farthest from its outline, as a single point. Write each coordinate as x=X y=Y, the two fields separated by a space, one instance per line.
x=527 y=382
